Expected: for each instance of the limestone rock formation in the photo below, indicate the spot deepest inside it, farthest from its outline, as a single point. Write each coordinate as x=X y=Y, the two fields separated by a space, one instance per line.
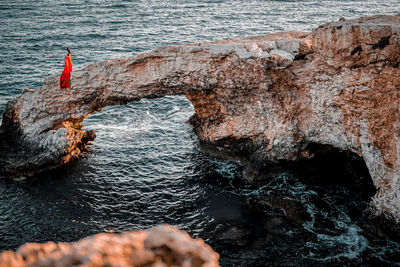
x=270 y=95
x=158 y=247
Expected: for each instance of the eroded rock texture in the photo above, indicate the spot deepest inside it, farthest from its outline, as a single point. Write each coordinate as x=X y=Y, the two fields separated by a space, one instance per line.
x=158 y=247
x=271 y=95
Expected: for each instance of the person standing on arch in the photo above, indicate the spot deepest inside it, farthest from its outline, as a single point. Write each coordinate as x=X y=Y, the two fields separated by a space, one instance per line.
x=65 y=79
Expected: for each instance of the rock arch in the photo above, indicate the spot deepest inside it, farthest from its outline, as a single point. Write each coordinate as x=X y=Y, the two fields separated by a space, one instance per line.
x=337 y=86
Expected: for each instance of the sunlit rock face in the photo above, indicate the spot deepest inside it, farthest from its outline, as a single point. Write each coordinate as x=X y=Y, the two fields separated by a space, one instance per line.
x=276 y=94
x=160 y=246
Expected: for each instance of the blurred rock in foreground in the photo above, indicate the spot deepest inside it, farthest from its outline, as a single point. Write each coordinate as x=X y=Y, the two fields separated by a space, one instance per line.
x=158 y=247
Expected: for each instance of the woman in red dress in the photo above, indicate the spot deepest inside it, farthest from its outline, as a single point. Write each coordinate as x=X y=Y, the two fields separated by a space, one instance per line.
x=65 y=81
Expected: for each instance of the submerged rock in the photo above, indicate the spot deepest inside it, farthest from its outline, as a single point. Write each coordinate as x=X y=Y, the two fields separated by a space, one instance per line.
x=160 y=246
x=266 y=97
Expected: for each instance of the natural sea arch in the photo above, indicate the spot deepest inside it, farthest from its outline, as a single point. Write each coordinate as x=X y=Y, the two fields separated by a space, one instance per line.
x=270 y=95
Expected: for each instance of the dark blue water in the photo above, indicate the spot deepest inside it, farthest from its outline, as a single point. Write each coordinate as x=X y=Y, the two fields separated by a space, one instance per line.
x=146 y=166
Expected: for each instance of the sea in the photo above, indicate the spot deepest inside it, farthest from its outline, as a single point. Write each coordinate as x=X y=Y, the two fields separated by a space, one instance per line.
x=146 y=166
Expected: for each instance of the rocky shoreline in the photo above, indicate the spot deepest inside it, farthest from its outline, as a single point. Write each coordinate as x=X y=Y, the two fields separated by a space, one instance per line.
x=268 y=98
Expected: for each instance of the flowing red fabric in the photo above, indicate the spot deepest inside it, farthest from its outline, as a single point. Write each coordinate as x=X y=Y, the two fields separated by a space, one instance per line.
x=65 y=79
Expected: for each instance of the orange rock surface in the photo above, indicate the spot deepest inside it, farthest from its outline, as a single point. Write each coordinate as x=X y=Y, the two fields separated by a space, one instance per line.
x=158 y=247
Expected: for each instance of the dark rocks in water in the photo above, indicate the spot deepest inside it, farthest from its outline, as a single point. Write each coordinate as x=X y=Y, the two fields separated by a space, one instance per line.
x=233 y=234
x=260 y=239
x=379 y=227
x=278 y=207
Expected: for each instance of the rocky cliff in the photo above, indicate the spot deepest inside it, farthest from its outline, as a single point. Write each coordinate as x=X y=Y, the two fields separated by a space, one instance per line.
x=158 y=247
x=271 y=95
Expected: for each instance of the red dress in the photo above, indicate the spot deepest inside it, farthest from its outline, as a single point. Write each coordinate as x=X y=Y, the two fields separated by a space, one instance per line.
x=65 y=81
